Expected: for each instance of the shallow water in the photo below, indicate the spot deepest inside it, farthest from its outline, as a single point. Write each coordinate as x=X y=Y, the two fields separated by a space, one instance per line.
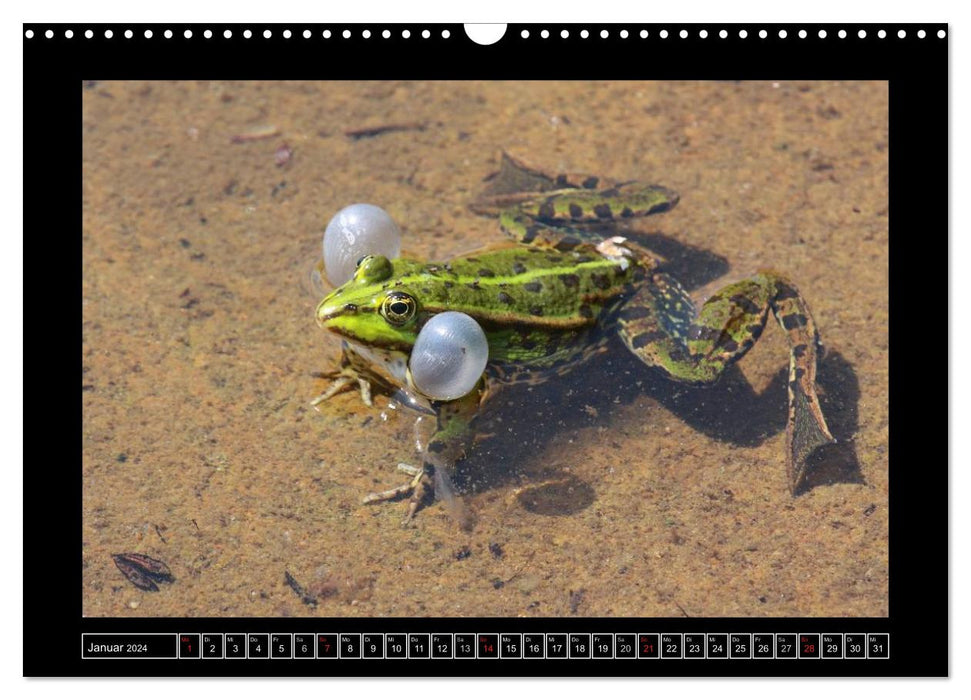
x=610 y=492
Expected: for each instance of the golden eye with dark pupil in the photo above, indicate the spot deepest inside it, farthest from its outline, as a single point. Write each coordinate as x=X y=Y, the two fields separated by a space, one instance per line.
x=398 y=308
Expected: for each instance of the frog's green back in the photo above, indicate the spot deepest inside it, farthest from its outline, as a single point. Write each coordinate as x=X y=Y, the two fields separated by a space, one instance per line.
x=533 y=303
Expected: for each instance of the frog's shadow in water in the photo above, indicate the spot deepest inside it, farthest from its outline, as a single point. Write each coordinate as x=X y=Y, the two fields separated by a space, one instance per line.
x=729 y=410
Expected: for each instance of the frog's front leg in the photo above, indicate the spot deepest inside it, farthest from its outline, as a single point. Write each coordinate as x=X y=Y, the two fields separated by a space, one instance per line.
x=447 y=445
x=660 y=326
x=352 y=369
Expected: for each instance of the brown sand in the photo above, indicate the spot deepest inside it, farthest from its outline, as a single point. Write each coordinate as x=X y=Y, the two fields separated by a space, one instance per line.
x=611 y=492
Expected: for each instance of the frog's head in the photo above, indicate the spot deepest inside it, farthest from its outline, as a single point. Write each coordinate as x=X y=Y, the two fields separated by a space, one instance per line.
x=371 y=308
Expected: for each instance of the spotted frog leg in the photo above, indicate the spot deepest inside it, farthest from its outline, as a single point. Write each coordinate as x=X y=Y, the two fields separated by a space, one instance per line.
x=659 y=323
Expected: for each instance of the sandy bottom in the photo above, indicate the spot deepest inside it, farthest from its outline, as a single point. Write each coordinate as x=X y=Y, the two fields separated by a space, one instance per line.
x=613 y=492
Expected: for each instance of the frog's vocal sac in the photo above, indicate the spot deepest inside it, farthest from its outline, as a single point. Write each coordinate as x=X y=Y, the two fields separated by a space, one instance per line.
x=550 y=299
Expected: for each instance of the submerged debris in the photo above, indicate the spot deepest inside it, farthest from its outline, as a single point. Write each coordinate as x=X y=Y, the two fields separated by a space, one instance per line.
x=305 y=596
x=368 y=132
x=282 y=155
x=257 y=133
x=143 y=571
x=576 y=598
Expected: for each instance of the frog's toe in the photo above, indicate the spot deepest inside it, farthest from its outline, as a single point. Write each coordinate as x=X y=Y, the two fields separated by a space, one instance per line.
x=341 y=382
x=415 y=487
x=336 y=386
x=365 y=387
x=389 y=495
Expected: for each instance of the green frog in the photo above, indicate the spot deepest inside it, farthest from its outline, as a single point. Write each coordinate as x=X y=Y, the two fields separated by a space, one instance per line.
x=549 y=301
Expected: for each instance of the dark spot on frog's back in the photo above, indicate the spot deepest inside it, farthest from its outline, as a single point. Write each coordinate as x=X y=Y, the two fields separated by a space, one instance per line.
x=570 y=281
x=533 y=287
x=590 y=183
x=576 y=211
x=547 y=210
x=505 y=298
x=518 y=268
x=585 y=311
x=603 y=211
x=799 y=350
x=600 y=281
x=536 y=311
x=486 y=272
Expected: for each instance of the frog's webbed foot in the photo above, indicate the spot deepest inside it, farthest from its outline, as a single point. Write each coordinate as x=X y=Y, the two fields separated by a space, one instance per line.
x=659 y=325
x=806 y=428
x=419 y=488
x=342 y=379
x=427 y=481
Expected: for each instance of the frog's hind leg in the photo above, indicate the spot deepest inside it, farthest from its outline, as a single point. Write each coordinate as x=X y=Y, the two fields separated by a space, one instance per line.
x=525 y=229
x=574 y=219
x=659 y=324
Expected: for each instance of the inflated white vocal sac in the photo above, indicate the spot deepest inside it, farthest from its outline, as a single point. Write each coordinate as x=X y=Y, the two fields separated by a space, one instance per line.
x=449 y=356
x=356 y=231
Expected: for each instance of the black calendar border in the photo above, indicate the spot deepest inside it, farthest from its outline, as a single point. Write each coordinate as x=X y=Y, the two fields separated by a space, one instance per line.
x=917 y=71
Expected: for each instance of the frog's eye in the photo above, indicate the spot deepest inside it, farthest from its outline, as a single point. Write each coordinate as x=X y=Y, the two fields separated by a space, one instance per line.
x=360 y=260
x=398 y=308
